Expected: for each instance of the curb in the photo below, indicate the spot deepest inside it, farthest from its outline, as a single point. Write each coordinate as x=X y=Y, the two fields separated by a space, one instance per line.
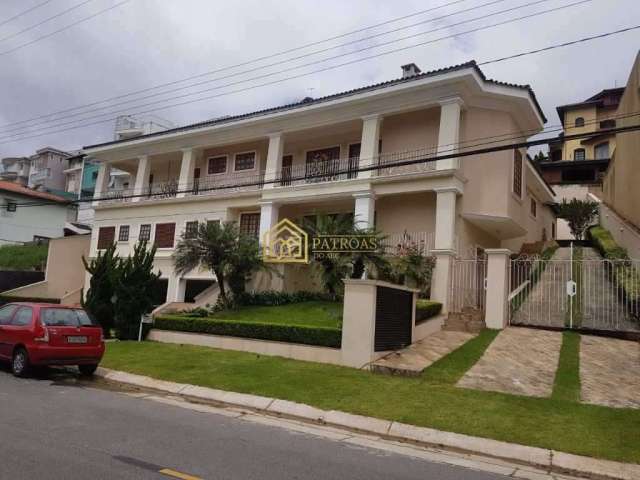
x=549 y=460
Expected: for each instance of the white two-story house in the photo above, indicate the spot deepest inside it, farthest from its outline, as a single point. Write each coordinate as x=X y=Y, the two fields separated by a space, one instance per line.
x=336 y=154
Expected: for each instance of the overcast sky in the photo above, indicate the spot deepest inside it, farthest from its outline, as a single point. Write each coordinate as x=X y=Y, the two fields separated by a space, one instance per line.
x=144 y=43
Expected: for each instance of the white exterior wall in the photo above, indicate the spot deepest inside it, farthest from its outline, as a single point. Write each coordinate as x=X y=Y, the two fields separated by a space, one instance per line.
x=21 y=225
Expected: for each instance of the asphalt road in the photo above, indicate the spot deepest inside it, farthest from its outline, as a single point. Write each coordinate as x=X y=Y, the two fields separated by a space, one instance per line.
x=54 y=428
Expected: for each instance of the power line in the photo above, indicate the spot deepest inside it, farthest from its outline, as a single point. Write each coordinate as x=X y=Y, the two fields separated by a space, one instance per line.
x=229 y=67
x=24 y=12
x=19 y=126
x=332 y=67
x=399 y=163
x=46 y=20
x=67 y=27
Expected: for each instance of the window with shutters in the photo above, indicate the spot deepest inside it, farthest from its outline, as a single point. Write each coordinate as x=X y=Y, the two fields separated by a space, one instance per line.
x=165 y=233
x=145 y=232
x=245 y=161
x=123 y=233
x=106 y=236
x=517 y=173
x=191 y=229
x=217 y=165
x=579 y=154
x=250 y=224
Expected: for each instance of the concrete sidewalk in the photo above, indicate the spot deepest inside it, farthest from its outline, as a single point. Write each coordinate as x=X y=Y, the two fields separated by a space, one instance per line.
x=550 y=461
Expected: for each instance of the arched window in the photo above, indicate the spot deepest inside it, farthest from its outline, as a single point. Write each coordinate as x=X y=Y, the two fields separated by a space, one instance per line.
x=578 y=154
x=602 y=151
x=579 y=122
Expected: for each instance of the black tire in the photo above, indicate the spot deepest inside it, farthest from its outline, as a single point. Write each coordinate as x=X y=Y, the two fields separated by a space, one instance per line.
x=20 y=363
x=87 y=370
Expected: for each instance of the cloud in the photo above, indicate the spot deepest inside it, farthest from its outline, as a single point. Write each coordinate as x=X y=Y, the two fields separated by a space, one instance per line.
x=149 y=42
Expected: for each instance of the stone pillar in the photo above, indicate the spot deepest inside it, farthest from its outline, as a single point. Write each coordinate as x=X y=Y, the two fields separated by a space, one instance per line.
x=498 y=270
x=142 y=177
x=449 y=132
x=274 y=159
x=364 y=211
x=268 y=218
x=369 y=143
x=188 y=164
x=441 y=278
x=102 y=182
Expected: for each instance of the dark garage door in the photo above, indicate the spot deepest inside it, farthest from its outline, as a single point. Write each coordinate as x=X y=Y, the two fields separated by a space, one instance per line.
x=393 y=319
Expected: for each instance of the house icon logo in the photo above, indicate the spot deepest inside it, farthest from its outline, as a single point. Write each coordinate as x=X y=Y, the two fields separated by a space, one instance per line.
x=286 y=243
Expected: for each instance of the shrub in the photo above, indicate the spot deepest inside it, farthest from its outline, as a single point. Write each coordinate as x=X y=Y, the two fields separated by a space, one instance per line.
x=322 y=336
x=23 y=257
x=606 y=245
x=272 y=298
x=426 y=309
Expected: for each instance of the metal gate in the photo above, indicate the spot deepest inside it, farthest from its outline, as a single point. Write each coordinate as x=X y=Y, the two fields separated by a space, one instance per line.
x=467 y=286
x=577 y=289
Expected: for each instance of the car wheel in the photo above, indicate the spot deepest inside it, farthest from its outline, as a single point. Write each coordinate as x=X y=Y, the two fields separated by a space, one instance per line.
x=20 y=363
x=87 y=370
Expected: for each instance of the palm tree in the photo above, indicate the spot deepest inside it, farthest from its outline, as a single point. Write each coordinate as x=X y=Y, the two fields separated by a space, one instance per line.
x=221 y=248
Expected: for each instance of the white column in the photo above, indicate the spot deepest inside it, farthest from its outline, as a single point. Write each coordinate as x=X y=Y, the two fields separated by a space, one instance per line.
x=496 y=311
x=364 y=211
x=188 y=164
x=142 y=177
x=446 y=218
x=441 y=278
x=102 y=182
x=274 y=159
x=369 y=143
x=268 y=218
x=449 y=132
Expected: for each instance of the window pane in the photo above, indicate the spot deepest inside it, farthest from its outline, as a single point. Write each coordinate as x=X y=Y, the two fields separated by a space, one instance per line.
x=191 y=230
x=250 y=224
x=517 y=173
x=245 y=161
x=106 y=235
x=217 y=165
x=145 y=232
x=602 y=151
x=123 y=234
x=578 y=154
x=6 y=313
x=65 y=317
x=22 y=317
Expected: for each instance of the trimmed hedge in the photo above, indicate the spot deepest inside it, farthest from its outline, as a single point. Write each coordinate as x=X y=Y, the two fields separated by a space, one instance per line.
x=426 y=309
x=271 y=298
x=606 y=245
x=14 y=298
x=320 y=336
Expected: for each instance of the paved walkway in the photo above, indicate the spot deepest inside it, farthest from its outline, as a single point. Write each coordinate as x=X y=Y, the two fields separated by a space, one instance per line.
x=418 y=356
x=610 y=372
x=519 y=361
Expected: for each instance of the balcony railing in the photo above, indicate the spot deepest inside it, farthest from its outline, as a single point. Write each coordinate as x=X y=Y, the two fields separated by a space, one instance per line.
x=402 y=243
x=312 y=172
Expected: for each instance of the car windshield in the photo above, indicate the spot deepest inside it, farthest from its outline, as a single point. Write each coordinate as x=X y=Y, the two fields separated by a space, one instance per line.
x=66 y=317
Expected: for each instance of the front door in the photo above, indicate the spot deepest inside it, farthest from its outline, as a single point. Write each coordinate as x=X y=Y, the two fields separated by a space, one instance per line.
x=322 y=165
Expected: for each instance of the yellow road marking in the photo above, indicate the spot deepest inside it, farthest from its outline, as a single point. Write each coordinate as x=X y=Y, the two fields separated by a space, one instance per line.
x=180 y=475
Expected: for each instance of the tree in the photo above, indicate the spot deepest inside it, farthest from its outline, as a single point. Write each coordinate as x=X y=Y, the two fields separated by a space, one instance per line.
x=221 y=248
x=134 y=290
x=540 y=157
x=334 y=268
x=99 y=298
x=579 y=214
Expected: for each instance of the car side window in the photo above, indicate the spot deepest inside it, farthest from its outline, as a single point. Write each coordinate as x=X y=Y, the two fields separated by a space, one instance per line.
x=22 y=317
x=6 y=313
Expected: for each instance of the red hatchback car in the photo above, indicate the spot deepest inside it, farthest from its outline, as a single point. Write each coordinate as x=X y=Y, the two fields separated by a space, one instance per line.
x=39 y=334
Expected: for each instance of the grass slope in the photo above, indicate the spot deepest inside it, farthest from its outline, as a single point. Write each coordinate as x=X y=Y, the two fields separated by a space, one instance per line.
x=566 y=385
x=431 y=400
x=23 y=257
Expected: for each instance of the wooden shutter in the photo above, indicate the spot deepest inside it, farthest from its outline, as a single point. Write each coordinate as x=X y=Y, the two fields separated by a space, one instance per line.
x=165 y=233
x=106 y=236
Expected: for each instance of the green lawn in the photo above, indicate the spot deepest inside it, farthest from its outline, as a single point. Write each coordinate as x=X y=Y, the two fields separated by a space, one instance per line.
x=431 y=400
x=23 y=257
x=312 y=314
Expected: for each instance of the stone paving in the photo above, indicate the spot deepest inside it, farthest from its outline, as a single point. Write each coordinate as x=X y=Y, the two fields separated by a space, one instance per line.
x=418 y=356
x=610 y=371
x=519 y=361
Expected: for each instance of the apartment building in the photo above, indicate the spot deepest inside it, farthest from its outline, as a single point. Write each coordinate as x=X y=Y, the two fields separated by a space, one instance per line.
x=338 y=154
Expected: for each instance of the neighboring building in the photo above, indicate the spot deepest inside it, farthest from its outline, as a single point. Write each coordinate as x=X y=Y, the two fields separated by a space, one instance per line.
x=47 y=170
x=575 y=168
x=19 y=224
x=131 y=126
x=621 y=191
x=301 y=159
x=16 y=169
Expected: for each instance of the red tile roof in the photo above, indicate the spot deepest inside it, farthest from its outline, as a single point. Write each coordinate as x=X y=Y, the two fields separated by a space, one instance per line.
x=28 y=192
